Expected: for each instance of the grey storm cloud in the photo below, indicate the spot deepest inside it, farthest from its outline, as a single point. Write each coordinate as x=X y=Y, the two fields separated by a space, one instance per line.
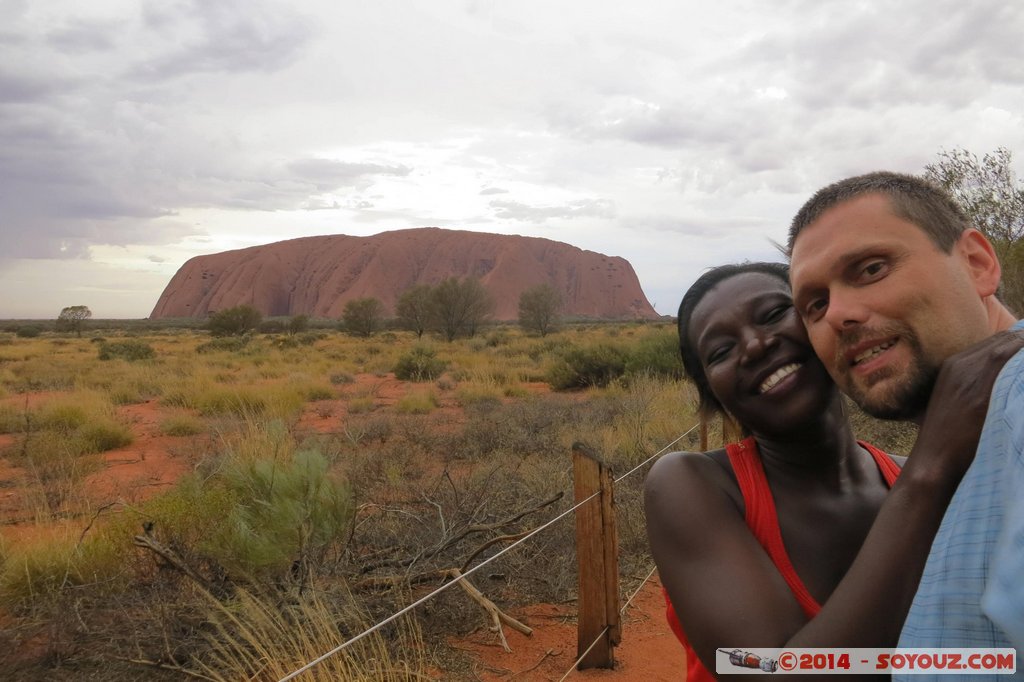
x=583 y=208
x=327 y=174
x=87 y=161
x=196 y=36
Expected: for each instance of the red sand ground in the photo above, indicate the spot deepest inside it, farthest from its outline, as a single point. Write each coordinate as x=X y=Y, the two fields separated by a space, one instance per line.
x=152 y=462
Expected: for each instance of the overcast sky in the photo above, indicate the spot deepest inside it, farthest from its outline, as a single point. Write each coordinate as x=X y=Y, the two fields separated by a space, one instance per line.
x=678 y=135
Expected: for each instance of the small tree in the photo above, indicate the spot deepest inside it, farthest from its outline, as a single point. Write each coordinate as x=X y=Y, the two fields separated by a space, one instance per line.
x=234 y=321
x=988 y=191
x=298 y=324
x=362 y=316
x=72 y=319
x=414 y=309
x=460 y=306
x=539 y=308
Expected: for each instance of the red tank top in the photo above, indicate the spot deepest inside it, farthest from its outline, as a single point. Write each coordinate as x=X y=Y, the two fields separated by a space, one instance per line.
x=763 y=521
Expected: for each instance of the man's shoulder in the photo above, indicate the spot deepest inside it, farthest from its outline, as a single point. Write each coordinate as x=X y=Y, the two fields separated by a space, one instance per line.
x=1013 y=371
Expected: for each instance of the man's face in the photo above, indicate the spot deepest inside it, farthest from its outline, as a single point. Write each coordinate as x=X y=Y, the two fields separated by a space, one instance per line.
x=883 y=305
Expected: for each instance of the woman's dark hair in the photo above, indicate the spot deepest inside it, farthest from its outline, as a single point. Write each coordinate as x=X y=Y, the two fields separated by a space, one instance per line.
x=705 y=283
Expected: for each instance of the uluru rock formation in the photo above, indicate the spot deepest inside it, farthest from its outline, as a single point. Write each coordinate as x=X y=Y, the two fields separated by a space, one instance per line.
x=318 y=275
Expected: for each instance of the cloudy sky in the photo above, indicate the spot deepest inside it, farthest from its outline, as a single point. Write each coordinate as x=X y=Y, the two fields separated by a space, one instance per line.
x=136 y=134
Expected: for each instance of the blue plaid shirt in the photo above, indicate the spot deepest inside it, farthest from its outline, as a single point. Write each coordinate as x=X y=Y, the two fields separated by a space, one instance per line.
x=972 y=590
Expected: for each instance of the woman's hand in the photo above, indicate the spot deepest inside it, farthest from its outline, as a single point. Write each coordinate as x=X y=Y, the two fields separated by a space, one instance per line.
x=956 y=411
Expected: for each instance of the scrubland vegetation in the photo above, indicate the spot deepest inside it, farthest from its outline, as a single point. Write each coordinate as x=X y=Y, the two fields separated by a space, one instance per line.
x=328 y=481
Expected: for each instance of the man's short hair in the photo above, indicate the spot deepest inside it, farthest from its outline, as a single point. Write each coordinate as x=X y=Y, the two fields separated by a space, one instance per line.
x=911 y=198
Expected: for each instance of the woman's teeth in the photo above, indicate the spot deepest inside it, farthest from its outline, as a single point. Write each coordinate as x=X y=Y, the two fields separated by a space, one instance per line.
x=778 y=375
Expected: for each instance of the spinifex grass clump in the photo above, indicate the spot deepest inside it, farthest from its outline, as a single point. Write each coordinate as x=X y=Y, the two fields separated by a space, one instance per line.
x=181 y=425
x=417 y=402
x=262 y=636
x=130 y=349
x=41 y=568
x=595 y=365
x=420 y=364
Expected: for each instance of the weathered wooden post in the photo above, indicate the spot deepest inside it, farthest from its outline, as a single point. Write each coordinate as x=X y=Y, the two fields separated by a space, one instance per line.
x=597 y=553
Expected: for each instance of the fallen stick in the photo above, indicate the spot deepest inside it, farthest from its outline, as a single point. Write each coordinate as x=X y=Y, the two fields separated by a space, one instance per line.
x=497 y=615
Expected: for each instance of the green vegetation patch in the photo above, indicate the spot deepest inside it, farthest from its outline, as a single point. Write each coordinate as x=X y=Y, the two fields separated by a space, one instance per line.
x=131 y=350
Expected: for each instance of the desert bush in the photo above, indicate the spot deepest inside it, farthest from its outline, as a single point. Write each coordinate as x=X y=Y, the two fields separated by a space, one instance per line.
x=417 y=402
x=130 y=350
x=419 y=364
x=133 y=392
x=13 y=419
x=62 y=415
x=226 y=401
x=360 y=405
x=102 y=435
x=272 y=326
x=341 y=378
x=657 y=354
x=28 y=332
x=230 y=344
x=40 y=569
x=54 y=466
x=361 y=431
x=315 y=392
x=467 y=394
x=181 y=425
x=288 y=513
x=234 y=321
x=186 y=516
x=583 y=367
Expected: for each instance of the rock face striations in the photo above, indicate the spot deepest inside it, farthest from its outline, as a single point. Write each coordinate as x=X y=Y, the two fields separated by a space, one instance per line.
x=318 y=275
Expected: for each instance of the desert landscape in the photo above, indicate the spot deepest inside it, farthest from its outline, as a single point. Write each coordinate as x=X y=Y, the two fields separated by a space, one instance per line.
x=171 y=517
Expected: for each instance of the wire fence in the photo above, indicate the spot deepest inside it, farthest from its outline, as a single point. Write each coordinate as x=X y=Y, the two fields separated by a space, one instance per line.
x=356 y=638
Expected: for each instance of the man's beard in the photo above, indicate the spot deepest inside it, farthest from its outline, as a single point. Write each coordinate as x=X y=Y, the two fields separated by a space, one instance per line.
x=906 y=399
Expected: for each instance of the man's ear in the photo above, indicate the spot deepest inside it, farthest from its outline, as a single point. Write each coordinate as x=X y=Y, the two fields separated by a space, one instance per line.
x=982 y=263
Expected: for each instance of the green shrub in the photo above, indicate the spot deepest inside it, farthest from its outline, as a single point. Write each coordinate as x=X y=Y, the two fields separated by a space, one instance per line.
x=596 y=365
x=420 y=364
x=130 y=350
x=234 y=321
x=657 y=354
x=286 y=514
x=341 y=378
x=271 y=327
x=28 y=332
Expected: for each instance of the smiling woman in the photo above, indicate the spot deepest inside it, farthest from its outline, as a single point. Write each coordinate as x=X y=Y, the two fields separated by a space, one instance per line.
x=729 y=529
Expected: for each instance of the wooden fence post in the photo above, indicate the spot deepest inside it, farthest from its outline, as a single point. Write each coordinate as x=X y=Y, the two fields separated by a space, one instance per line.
x=597 y=553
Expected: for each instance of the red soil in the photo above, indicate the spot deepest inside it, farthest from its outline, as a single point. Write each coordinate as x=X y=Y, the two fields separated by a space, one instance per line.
x=153 y=462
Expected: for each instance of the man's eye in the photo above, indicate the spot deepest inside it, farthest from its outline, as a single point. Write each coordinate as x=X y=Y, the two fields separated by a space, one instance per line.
x=873 y=268
x=815 y=308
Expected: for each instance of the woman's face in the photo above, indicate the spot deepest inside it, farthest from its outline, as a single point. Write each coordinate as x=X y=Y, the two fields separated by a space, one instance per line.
x=756 y=356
